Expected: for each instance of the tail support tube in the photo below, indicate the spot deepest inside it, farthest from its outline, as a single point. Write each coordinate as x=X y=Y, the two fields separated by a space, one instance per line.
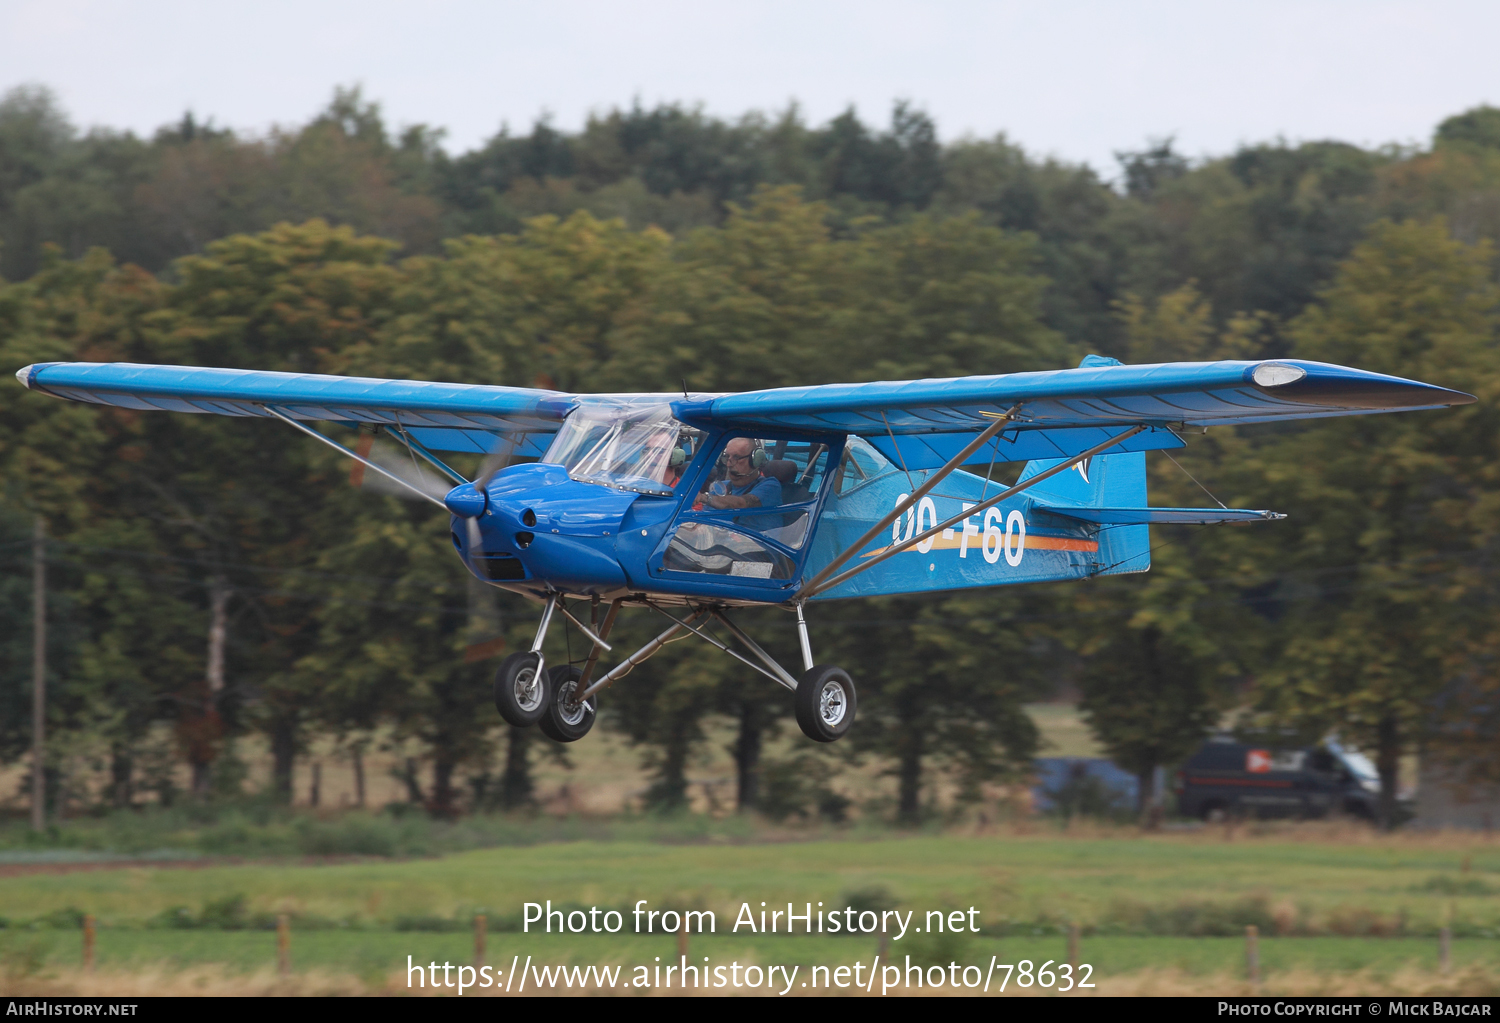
x=622 y=669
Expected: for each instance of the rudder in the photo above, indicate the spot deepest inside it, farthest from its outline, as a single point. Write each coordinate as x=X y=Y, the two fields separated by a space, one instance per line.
x=1106 y=481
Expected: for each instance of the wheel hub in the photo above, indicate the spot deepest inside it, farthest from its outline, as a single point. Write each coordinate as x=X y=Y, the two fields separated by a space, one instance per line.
x=831 y=703
x=528 y=693
x=569 y=707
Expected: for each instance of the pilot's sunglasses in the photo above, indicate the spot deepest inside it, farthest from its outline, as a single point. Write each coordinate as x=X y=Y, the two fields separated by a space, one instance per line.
x=736 y=458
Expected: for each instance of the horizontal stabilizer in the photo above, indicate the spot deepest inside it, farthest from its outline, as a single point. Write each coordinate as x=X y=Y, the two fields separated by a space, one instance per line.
x=1158 y=516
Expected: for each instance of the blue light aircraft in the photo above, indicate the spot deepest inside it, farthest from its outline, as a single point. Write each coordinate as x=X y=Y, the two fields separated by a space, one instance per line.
x=693 y=505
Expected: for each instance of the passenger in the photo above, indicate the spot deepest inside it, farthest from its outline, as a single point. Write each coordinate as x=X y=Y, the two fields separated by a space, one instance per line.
x=664 y=458
x=676 y=463
x=744 y=486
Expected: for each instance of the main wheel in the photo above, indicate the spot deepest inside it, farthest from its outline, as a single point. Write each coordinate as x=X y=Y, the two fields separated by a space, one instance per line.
x=520 y=690
x=565 y=719
x=825 y=703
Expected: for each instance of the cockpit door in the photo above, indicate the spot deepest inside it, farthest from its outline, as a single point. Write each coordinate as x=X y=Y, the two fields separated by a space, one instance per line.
x=762 y=546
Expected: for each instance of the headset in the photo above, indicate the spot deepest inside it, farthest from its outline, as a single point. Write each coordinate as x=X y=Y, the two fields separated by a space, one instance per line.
x=758 y=456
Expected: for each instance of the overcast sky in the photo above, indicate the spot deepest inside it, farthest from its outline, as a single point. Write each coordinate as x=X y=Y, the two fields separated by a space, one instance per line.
x=1079 y=80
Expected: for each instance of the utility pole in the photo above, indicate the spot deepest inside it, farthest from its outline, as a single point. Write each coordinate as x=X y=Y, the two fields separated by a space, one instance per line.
x=39 y=674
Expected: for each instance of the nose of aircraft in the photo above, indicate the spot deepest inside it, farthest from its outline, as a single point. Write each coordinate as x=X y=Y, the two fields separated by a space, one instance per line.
x=466 y=501
x=532 y=522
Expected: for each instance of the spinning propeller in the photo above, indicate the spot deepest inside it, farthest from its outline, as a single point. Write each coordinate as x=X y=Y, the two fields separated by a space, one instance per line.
x=400 y=472
x=493 y=462
x=413 y=480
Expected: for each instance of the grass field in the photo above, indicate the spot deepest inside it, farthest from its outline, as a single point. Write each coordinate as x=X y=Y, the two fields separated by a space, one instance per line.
x=1331 y=902
x=1340 y=909
x=1310 y=878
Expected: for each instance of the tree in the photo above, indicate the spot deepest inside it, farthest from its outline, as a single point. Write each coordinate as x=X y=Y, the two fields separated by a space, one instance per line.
x=1477 y=127
x=1161 y=652
x=1391 y=527
x=125 y=645
x=246 y=502
x=1073 y=215
x=941 y=683
x=542 y=308
x=1149 y=701
x=396 y=643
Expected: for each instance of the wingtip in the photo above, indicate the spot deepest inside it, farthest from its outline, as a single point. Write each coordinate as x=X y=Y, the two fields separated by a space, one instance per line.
x=1343 y=387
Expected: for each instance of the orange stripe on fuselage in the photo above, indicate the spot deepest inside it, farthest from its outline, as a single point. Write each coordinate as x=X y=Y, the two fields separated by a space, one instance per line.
x=1033 y=543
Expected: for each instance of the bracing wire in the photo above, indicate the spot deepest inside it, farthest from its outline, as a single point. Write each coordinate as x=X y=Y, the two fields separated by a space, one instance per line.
x=892 y=435
x=1190 y=476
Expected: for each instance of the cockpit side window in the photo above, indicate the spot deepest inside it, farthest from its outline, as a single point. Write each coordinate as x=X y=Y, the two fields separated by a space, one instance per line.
x=756 y=489
x=860 y=464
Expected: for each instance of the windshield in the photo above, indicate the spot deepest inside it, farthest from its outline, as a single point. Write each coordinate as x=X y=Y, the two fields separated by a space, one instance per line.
x=1358 y=764
x=633 y=448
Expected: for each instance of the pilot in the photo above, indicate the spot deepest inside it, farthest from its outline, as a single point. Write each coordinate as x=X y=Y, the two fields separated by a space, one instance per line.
x=744 y=486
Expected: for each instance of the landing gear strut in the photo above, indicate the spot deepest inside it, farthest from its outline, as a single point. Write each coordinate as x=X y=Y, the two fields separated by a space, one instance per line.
x=563 y=702
x=522 y=692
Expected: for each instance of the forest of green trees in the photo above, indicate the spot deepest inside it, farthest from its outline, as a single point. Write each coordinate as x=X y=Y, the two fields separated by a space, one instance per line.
x=661 y=248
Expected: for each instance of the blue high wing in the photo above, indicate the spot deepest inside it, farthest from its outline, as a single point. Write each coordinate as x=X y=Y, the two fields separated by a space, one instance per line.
x=921 y=424
x=444 y=417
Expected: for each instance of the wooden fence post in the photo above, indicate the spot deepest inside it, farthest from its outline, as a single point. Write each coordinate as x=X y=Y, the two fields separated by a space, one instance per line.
x=1445 y=950
x=1252 y=954
x=1073 y=947
x=284 y=945
x=682 y=936
x=480 y=923
x=88 y=943
x=39 y=676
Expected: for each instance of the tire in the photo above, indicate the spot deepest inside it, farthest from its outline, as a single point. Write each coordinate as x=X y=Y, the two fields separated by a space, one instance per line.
x=559 y=721
x=520 y=696
x=825 y=703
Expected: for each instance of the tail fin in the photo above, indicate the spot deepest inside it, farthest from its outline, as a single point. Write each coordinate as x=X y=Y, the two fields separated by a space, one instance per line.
x=1108 y=481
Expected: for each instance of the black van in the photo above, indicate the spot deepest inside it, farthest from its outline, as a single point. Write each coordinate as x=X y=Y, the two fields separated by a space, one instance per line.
x=1244 y=779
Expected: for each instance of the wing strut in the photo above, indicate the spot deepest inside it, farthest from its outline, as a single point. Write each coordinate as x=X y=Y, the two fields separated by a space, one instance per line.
x=365 y=461
x=416 y=447
x=986 y=435
x=818 y=586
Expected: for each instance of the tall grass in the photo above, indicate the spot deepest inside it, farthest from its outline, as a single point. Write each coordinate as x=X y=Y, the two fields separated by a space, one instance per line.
x=259 y=829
